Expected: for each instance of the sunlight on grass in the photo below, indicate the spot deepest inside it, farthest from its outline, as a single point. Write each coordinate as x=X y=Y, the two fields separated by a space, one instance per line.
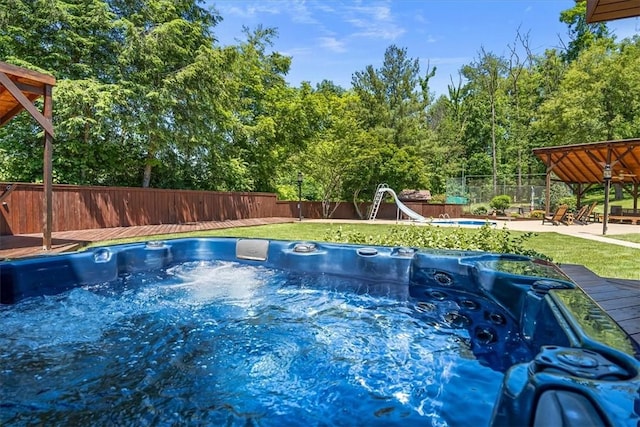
x=604 y=259
x=635 y=238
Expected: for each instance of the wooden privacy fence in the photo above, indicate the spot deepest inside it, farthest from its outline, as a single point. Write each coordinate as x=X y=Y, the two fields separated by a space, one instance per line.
x=84 y=207
x=81 y=208
x=346 y=210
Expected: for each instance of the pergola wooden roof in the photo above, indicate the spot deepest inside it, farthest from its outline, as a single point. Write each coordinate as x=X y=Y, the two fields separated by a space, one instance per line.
x=19 y=88
x=584 y=163
x=607 y=10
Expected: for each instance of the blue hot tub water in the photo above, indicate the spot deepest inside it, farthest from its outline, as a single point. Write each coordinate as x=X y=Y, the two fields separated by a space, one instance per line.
x=219 y=331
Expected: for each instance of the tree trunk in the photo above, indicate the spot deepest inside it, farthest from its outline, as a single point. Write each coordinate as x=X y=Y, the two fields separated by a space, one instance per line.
x=493 y=148
x=146 y=177
x=355 y=204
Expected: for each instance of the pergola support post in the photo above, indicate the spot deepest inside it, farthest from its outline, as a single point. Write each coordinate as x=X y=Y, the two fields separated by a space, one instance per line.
x=607 y=185
x=605 y=218
x=547 y=195
x=21 y=87
x=47 y=172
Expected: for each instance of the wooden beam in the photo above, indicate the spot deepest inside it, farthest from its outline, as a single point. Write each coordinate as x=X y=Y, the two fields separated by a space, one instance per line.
x=14 y=111
x=606 y=10
x=607 y=187
x=547 y=183
x=19 y=96
x=27 y=74
x=8 y=189
x=47 y=176
x=29 y=88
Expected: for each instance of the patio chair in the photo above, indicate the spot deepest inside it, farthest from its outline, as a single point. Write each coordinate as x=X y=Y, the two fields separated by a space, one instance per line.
x=557 y=216
x=578 y=217
x=586 y=216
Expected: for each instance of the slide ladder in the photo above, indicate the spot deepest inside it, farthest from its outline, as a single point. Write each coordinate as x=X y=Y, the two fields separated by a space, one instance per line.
x=377 y=199
x=380 y=192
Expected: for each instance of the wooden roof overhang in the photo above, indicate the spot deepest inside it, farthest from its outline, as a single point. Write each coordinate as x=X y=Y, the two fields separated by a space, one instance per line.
x=607 y=10
x=584 y=163
x=19 y=88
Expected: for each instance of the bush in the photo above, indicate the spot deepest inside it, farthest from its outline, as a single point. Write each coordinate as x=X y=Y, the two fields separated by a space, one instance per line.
x=480 y=210
x=438 y=198
x=570 y=201
x=559 y=191
x=483 y=239
x=500 y=203
x=537 y=214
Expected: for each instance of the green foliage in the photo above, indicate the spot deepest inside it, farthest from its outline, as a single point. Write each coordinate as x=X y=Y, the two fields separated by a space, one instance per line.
x=501 y=202
x=570 y=201
x=480 y=210
x=558 y=193
x=438 y=199
x=537 y=214
x=483 y=239
x=145 y=95
x=391 y=111
x=583 y=35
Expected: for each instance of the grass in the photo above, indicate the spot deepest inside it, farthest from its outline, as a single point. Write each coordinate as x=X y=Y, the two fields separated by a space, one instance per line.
x=604 y=259
x=635 y=238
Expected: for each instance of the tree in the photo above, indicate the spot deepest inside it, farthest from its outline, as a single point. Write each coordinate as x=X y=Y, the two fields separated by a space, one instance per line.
x=77 y=42
x=448 y=120
x=582 y=34
x=486 y=76
x=271 y=121
x=597 y=99
x=392 y=111
x=162 y=39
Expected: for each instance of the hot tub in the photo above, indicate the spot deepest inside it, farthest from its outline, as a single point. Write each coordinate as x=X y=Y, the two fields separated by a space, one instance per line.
x=218 y=331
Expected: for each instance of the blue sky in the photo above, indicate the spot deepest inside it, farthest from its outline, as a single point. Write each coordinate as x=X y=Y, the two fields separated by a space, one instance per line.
x=332 y=39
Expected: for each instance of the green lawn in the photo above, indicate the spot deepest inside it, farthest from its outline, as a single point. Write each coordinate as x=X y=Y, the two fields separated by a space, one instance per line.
x=635 y=238
x=603 y=259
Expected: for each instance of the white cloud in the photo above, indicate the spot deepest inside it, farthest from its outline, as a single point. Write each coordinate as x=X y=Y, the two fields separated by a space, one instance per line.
x=332 y=44
x=249 y=10
x=374 y=22
x=300 y=13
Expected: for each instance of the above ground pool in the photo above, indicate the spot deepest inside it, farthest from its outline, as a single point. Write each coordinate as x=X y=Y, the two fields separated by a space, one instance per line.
x=245 y=332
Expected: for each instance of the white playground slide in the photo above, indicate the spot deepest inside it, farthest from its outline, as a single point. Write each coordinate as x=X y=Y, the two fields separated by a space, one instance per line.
x=411 y=214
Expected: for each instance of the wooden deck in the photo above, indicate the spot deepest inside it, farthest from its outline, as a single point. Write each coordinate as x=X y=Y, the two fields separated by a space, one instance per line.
x=25 y=245
x=618 y=297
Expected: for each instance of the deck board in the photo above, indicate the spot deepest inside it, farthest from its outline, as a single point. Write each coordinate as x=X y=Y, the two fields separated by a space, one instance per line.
x=620 y=298
x=25 y=245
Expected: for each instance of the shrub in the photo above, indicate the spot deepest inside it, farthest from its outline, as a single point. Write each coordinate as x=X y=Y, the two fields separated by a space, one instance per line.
x=438 y=198
x=484 y=238
x=500 y=203
x=538 y=214
x=559 y=191
x=570 y=201
x=480 y=210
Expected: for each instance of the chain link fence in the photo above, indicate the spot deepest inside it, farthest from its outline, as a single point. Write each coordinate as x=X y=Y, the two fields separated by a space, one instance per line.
x=477 y=190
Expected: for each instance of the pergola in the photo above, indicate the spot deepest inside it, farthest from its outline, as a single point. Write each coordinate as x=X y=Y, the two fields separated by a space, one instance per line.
x=607 y=10
x=19 y=88
x=582 y=166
